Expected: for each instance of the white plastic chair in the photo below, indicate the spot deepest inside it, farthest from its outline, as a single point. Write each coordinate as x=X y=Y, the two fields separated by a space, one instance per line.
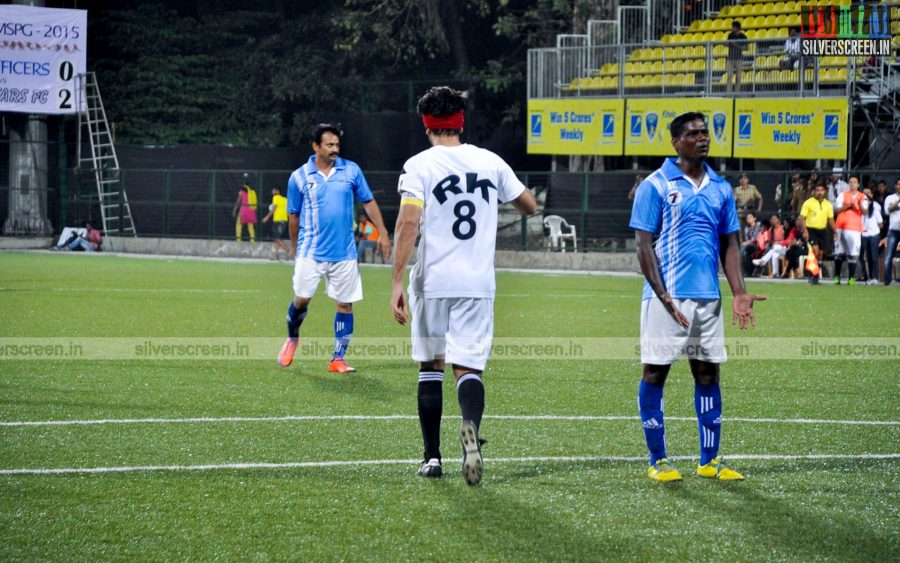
x=560 y=232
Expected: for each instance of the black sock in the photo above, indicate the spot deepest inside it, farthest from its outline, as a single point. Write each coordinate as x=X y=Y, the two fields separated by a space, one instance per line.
x=851 y=269
x=470 y=393
x=431 y=403
x=838 y=266
x=295 y=318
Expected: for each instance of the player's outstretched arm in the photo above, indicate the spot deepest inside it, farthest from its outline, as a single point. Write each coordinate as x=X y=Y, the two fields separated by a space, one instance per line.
x=405 y=234
x=742 y=307
x=650 y=269
x=384 y=239
x=525 y=203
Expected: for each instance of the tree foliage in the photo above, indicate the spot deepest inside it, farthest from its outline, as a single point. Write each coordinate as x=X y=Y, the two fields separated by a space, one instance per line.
x=206 y=72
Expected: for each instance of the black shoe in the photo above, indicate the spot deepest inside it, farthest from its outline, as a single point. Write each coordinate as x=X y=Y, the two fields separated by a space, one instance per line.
x=472 y=462
x=431 y=468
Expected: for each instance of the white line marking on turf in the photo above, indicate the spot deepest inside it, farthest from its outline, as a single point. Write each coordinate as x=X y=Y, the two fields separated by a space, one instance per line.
x=369 y=462
x=338 y=417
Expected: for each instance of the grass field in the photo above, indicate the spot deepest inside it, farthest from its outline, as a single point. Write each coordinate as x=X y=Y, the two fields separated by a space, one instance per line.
x=328 y=461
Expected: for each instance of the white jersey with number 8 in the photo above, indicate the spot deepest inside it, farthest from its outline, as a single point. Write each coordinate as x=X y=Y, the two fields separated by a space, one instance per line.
x=460 y=188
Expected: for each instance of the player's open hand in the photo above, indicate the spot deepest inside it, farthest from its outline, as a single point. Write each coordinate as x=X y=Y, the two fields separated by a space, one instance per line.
x=398 y=305
x=743 y=309
x=384 y=245
x=670 y=306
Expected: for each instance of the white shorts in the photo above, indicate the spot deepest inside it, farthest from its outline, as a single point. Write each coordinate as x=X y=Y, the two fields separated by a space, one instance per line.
x=663 y=340
x=459 y=328
x=848 y=243
x=342 y=279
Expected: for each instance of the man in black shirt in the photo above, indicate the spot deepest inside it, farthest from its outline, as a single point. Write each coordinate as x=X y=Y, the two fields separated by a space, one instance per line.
x=736 y=43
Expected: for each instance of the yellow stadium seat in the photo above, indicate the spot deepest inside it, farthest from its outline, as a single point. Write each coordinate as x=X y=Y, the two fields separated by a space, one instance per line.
x=781 y=20
x=669 y=65
x=656 y=80
x=669 y=52
x=707 y=37
x=679 y=53
x=629 y=68
x=778 y=8
x=695 y=25
x=665 y=39
x=720 y=35
x=842 y=75
x=678 y=66
x=705 y=24
x=699 y=65
x=656 y=54
x=718 y=64
x=720 y=50
x=751 y=34
x=629 y=82
x=793 y=20
x=726 y=10
x=757 y=9
x=699 y=51
x=656 y=66
x=829 y=75
x=769 y=21
x=772 y=33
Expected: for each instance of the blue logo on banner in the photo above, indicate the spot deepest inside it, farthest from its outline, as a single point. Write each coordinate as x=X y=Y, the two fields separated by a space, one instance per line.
x=536 y=125
x=832 y=124
x=609 y=124
x=719 y=126
x=744 y=129
x=652 y=122
x=635 y=125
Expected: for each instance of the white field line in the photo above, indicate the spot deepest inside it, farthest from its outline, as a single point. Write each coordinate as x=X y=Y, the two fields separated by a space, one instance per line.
x=304 y=418
x=370 y=462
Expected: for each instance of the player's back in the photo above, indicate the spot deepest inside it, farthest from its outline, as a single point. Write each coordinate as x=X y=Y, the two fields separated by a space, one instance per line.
x=460 y=187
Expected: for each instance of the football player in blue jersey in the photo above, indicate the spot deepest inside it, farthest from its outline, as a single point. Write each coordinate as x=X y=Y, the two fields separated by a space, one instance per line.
x=686 y=222
x=321 y=196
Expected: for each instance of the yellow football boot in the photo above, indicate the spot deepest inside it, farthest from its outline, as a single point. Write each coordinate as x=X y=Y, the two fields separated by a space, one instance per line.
x=663 y=471
x=716 y=469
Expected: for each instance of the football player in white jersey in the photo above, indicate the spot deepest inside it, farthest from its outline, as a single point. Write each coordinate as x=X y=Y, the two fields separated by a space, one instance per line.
x=450 y=193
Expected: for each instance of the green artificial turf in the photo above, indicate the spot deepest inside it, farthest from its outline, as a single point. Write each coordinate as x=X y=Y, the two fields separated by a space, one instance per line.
x=581 y=504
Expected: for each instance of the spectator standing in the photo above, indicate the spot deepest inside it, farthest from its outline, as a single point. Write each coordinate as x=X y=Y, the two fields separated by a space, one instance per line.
x=792 y=50
x=892 y=209
x=747 y=198
x=279 y=216
x=848 y=231
x=637 y=182
x=816 y=216
x=800 y=192
x=871 y=235
x=244 y=211
x=836 y=185
x=736 y=41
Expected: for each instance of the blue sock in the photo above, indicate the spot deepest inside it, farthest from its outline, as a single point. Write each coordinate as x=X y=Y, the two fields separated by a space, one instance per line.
x=295 y=318
x=343 y=330
x=708 y=404
x=650 y=402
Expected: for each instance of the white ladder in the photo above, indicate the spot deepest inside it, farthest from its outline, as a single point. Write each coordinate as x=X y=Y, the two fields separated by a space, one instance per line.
x=102 y=161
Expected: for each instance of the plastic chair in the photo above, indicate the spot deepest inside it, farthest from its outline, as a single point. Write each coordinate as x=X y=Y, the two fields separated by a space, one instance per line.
x=559 y=232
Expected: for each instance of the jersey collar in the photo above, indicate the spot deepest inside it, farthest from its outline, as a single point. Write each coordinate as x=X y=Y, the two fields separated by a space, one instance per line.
x=672 y=172
x=339 y=164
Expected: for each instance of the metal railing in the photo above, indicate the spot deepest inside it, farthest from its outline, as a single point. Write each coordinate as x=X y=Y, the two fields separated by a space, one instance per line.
x=684 y=69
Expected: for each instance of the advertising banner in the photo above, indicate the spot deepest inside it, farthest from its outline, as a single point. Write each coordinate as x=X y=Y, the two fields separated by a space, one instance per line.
x=575 y=126
x=647 y=124
x=791 y=128
x=42 y=50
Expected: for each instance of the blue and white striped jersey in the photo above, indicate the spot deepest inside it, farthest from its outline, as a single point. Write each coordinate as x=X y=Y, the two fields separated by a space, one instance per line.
x=324 y=207
x=687 y=221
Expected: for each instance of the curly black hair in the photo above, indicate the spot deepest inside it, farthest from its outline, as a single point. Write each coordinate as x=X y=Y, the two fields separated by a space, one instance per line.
x=442 y=101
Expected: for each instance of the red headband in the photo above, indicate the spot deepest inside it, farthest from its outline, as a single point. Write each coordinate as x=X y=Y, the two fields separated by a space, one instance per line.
x=452 y=121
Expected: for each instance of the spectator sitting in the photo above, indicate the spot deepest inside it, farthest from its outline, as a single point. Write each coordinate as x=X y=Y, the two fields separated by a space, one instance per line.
x=91 y=242
x=366 y=236
x=779 y=244
x=768 y=237
x=749 y=248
